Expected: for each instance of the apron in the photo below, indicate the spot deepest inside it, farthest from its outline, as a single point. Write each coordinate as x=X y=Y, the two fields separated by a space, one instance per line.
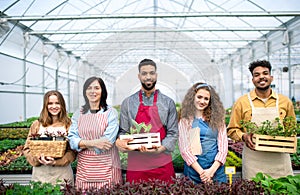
x=48 y=173
x=51 y=174
x=96 y=170
x=275 y=164
x=145 y=166
x=209 y=145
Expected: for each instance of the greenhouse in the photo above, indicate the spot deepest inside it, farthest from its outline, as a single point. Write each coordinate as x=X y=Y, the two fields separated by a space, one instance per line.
x=59 y=44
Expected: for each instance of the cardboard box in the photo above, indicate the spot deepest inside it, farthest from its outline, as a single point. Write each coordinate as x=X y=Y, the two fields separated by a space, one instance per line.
x=144 y=139
x=275 y=143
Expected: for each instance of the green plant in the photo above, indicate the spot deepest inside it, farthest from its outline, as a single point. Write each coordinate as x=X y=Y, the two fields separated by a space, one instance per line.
x=19 y=164
x=283 y=185
x=13 y=133
x=26 y=123
x=288 y=127
x=138 y=127
x=10 y=144
x=233 y=160
x=36 y=188
x=177 y=159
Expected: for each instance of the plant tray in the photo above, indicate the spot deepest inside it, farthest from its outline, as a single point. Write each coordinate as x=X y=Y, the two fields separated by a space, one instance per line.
x=54 y=149
x=144 y=139
x=275 y=143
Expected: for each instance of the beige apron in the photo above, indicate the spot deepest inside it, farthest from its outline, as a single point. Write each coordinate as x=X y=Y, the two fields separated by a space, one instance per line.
x=275 y=164
x=49 y=173
x=194 y=139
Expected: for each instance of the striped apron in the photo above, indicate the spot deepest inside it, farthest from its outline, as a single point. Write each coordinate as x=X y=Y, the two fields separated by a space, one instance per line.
x=275 y=164
x=96 y=170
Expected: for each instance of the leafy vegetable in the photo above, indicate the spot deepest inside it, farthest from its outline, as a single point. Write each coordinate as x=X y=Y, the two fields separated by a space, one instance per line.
x=288 y=127
x=138 y=127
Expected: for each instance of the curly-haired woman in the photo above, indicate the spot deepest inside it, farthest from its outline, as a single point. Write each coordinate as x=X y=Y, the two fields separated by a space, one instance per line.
x=203 y=139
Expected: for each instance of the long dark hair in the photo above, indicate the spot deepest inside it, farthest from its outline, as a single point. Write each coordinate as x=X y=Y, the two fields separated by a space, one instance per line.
x=46 y=118
x=103 y=97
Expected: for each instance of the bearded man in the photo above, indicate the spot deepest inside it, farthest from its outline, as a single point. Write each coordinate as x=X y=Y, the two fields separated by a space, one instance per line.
x=150 y=106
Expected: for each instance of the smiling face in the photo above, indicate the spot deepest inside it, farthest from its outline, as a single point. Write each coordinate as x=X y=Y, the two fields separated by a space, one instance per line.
x=93 y=92
x=148 y=77
x=53 y=106
x=262 y=78
x=201 y=101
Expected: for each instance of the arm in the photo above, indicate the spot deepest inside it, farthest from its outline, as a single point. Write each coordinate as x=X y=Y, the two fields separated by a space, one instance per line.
x=109 y=135
x=73 y=134
x=186 y=152
x=222 y=145
x=184 y=143
x=68 y=158
x=234 y=129
x=124 y=126
x=77 y=143
x=220 y=158
x=290 y=109
x=169 y=142
x=112 y=129
x=32 y=160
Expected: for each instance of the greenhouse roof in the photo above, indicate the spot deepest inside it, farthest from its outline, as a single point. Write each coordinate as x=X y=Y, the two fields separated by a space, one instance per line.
x=114 y=35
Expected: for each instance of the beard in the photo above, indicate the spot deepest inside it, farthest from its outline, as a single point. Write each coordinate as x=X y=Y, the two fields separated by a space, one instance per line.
x=148 y=88
x=263 y=88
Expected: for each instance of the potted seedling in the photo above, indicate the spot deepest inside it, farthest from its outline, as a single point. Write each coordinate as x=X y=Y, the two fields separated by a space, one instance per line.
x=140 y=133
x=274 y=136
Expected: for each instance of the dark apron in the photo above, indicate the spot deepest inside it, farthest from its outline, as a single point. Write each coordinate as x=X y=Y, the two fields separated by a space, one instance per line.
x=145 y=166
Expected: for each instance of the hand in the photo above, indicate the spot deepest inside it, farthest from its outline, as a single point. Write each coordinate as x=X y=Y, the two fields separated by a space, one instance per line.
x=154 y=149
x=102 y=143
x=46 y=160
x=247 y=138
x=123 y=144
x=206 y=176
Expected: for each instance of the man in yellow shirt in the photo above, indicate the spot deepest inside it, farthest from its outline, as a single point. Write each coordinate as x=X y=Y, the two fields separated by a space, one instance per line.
x=259 y=105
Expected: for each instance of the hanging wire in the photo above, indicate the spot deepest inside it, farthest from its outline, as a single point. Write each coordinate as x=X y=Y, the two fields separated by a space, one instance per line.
x=12 y=83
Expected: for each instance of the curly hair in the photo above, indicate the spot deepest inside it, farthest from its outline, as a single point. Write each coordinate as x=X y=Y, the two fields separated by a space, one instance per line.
x=214 y=113
x=263 y=63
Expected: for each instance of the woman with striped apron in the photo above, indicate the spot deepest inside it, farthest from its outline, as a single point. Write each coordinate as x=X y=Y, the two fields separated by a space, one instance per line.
x=93 y=133
x=96 y=170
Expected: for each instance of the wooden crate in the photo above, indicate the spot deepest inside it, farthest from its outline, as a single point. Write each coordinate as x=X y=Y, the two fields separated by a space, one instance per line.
x=144 y=139
x=275 y=143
